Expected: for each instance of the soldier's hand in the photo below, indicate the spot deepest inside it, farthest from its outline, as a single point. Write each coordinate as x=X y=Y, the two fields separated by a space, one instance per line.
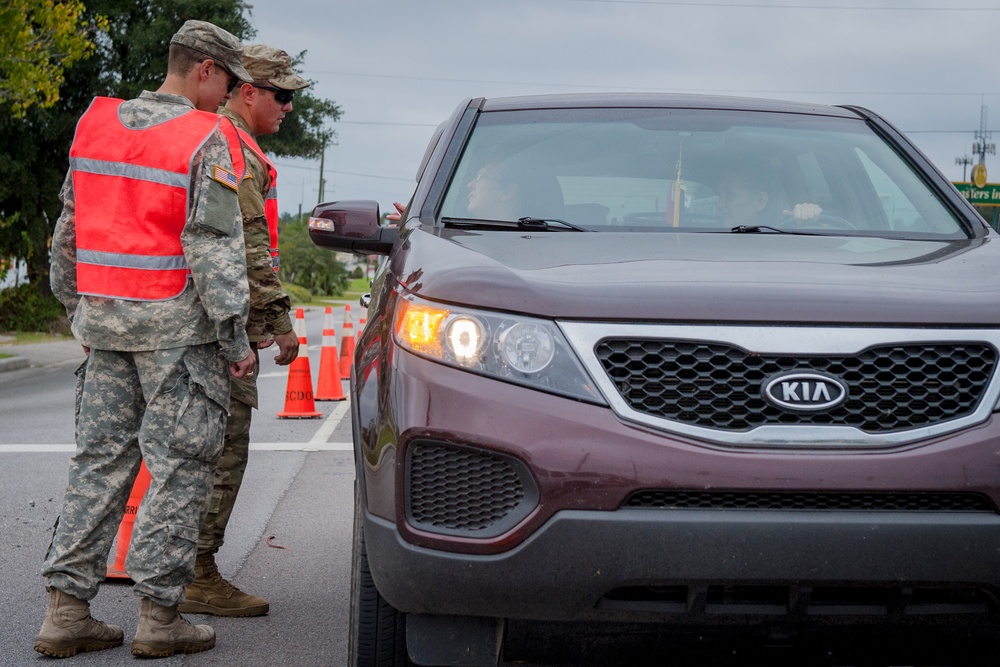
x=288 y=348
x=244 y=367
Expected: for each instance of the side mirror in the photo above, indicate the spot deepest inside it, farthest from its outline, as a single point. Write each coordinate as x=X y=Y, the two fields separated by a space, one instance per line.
x=351 y=226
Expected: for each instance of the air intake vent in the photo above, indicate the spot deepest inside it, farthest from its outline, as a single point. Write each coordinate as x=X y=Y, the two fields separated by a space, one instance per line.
x=818 y=501
x=458 y=490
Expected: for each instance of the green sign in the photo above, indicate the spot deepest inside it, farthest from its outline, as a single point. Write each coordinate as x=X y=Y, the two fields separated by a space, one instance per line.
x=989 y=195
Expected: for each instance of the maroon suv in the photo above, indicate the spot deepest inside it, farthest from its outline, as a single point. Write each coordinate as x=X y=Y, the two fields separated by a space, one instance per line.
x=644 y=361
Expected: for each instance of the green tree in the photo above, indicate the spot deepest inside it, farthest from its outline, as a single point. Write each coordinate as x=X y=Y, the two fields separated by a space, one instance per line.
x=130 y=56
x=304 y=132
x=39 y=39
x=306 y=264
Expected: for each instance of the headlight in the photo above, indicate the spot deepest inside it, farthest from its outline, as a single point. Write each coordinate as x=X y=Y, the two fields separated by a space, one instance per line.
x=523 y=350
x=465 y=338
x=527 y=347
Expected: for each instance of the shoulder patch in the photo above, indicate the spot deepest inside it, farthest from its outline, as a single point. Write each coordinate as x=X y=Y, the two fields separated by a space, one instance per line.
x=226 y=177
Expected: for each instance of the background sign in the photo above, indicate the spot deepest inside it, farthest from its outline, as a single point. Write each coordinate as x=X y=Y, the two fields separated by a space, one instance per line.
x=988 y=195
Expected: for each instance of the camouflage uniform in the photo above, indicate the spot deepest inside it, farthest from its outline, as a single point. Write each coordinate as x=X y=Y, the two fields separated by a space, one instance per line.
x=155 y=386
x=269 y=308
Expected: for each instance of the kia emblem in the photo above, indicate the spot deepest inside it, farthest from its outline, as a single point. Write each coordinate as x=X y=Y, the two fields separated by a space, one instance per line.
x=805 y=392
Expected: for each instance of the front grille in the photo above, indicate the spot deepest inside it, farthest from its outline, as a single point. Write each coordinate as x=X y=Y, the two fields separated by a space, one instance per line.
x=713 y=385
x=811 y=500
x=462 y=490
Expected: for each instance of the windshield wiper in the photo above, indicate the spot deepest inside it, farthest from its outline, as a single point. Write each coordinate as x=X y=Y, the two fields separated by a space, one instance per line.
x=474 y=223
x=760 y=229
x=543 y=224
x=756 y=229
x=535 y=224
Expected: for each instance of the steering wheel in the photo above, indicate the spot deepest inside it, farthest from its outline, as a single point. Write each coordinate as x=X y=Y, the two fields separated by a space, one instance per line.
x=823 y=220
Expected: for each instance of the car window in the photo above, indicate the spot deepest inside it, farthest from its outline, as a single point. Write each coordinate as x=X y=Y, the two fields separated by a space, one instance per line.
x=692 y=170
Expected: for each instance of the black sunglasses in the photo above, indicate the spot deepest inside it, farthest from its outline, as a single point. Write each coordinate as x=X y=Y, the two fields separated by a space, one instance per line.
x=233 y=80
x=281 y=95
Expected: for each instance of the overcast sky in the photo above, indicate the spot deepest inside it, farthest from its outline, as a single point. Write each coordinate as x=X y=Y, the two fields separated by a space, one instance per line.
x=398 y=68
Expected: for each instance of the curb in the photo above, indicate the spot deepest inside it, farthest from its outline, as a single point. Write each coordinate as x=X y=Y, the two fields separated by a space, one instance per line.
x=13 y=363
x=46 y=353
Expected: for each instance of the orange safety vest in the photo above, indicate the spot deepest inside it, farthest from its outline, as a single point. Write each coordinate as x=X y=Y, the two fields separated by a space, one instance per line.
x=271 y=201
x=131 y=189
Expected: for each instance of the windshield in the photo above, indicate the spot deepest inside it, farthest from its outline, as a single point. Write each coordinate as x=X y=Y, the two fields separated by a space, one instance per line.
x=692 y=170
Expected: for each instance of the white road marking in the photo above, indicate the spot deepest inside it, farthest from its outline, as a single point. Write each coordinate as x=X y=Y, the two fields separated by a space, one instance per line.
x=260 y=446
x=317 y=443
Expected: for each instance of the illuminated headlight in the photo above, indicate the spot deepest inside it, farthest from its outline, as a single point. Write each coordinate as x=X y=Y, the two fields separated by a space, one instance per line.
x=464 y=338
x=527 y=351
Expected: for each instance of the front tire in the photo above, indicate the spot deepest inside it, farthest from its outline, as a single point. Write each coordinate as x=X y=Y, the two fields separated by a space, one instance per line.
x=377 y=629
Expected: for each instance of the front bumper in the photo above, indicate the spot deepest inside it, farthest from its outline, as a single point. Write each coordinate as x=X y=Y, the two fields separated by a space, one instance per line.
x=580 y=554
x=571 y=567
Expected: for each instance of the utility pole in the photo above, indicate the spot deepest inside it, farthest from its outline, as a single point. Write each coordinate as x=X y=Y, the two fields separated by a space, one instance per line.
x=981 y=148
x=965 y=161
x=322 y=183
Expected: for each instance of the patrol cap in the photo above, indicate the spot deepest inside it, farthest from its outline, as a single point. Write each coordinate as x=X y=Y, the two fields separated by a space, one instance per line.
x=220 y=45
x=271 y=66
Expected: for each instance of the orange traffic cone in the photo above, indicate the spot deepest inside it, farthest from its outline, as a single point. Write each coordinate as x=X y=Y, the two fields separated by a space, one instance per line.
x=329 y=387
x=361 y=325
x=347 y=344
x=298 y=392
x=139 y=486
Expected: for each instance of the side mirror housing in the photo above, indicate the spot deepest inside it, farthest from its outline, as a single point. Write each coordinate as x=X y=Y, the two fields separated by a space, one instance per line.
x=352 y=226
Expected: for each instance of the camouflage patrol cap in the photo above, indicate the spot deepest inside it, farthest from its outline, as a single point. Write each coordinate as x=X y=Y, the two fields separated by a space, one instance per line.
x=271 y=66
x=220 y=45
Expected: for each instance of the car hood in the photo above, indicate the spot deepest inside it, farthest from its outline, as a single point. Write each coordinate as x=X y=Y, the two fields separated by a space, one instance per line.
x=701 y=277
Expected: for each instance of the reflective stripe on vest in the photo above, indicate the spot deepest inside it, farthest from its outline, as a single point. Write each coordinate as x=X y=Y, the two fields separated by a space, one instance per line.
x=131 y=190
x=271 y=202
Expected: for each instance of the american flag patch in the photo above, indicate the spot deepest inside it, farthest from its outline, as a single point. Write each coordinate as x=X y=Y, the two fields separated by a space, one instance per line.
x=226 y=177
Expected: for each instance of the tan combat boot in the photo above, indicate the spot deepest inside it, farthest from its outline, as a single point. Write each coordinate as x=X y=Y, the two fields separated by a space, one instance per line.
x=69 y=628
x=209 y=593
x=162 y=632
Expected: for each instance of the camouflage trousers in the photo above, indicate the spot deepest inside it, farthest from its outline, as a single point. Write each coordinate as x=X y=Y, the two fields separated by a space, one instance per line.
x=164 y=407
x=232 y=464
x=228 y=478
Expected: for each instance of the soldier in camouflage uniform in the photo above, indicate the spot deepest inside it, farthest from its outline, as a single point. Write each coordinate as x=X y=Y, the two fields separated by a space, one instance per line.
x=256 y=109
x=155 y=385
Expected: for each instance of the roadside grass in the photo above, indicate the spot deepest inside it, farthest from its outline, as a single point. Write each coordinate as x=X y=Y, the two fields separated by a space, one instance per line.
x=27 y=337
x=13 y=338
x=351 y=295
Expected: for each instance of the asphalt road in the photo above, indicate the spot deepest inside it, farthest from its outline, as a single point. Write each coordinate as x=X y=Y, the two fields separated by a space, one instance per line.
x=290 y=541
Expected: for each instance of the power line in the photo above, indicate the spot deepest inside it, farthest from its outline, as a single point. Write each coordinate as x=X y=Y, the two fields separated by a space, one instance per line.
x=373 y=122
x=940 y=131
x=343 y=173
x=708 y=91
x=733 y=5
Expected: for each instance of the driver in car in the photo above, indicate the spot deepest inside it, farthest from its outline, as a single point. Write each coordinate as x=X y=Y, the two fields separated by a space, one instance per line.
x=744 y=200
